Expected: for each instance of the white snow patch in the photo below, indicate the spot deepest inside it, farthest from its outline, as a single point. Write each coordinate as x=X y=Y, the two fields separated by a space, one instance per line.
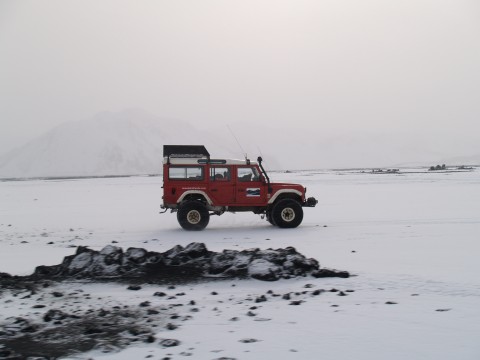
x=262 y=267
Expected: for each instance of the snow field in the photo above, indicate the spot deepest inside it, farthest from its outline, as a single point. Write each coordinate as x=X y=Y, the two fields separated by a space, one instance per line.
x=411 y=239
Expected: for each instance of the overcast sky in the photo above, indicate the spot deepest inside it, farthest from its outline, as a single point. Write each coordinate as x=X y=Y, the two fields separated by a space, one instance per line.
x=332 y=67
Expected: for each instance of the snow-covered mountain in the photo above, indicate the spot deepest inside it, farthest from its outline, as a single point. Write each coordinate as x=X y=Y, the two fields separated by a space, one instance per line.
x=131 y=142
x=123 y=143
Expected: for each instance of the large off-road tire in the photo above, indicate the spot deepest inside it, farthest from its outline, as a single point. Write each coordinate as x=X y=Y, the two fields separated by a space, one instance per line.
x=269 y=217
x=193 y=215
x=287 y=213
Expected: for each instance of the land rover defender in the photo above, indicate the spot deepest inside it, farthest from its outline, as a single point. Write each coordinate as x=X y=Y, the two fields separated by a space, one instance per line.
x=196 y=186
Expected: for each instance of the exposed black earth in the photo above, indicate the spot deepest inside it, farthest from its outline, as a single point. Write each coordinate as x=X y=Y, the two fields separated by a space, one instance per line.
x=59 y=333
x=62 y=323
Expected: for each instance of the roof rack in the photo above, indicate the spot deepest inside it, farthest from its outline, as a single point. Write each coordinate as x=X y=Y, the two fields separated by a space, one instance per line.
x=185 y=151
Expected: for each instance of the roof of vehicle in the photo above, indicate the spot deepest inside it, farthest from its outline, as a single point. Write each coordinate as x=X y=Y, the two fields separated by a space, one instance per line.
x=185 y=150
x=196 y=155
x=204 y=160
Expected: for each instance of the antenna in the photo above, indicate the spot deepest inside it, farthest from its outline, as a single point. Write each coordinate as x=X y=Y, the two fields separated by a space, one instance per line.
x=259 y=151
x=238 y=142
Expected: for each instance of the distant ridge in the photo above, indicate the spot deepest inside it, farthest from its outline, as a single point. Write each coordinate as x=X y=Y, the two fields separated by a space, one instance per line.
x=463 y=160
x=129 y=142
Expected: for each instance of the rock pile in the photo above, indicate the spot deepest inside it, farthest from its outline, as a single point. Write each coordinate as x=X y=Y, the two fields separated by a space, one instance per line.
x=184 y=263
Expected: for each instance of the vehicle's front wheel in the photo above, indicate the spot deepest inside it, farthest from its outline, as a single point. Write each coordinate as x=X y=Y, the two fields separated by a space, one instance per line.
x=270 y=217
x=287 y=213
x=193 y=215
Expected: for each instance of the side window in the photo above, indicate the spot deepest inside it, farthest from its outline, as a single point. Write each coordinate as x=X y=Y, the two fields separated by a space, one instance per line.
x=220 y=173
x=185 y=173
x=248 y=174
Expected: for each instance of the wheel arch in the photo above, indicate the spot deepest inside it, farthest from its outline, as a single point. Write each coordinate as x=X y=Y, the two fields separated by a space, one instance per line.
x=286 y=194
x=191 y=195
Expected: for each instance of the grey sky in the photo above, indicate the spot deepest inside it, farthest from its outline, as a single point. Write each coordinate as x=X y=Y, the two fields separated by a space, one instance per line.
x=332 y=67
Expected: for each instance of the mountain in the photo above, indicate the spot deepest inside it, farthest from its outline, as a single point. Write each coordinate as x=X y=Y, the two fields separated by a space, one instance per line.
x=111 y=143
x=131 y=142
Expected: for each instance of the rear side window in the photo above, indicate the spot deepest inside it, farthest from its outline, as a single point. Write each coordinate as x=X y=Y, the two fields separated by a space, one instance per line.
x=220 y=173
x=185 y=173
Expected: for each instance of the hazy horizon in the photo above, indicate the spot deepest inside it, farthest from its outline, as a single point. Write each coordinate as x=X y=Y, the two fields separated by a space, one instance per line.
x=344 y=73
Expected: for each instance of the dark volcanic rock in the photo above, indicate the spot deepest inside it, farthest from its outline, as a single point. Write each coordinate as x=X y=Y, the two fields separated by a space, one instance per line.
x=261 y=298
x=169 y=342
x=330 y=273
x=180 y=263
x=134 y=287
x=5 y=276
x=248 y=341
x=54 y=314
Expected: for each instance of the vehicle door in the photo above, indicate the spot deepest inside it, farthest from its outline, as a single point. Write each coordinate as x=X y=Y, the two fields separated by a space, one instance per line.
x=251 y=189
x=221 y=185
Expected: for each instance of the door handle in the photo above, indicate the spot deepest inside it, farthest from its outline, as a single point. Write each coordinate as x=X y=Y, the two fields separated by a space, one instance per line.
x=213 y=189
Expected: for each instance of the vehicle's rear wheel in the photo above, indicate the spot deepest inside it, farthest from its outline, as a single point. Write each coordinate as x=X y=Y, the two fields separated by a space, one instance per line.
x=287 y=213
x=193 y=215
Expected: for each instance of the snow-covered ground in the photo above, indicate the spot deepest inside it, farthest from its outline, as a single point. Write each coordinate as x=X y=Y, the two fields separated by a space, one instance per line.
x=411 y=239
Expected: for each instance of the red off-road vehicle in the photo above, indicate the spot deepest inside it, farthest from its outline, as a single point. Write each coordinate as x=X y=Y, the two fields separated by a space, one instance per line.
x=197 y=186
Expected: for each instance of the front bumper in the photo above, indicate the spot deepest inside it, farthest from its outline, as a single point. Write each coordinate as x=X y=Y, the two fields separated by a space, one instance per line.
x=310 y=202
